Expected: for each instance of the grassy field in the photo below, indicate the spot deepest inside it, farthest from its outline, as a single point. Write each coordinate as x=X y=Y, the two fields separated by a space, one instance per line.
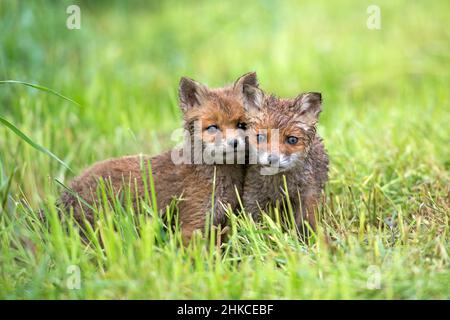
x=385 y=124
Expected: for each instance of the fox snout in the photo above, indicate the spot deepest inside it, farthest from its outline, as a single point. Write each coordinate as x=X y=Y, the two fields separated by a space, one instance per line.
x=231 y=140
x=235 y=140
x=269 y=159
x=278 y=160
x=273 y=159
x=224 y=147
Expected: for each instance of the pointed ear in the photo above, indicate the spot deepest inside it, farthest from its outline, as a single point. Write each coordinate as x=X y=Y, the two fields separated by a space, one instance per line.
x=246 y=87
x=191 y=93
x=309 y=105
x=248 y=78
x=253 y=98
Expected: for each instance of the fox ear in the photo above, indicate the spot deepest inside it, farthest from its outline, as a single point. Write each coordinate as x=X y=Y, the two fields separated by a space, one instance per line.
x=247 y=87
x=309 y=105
x=252 y=97
x=191 y=93
x=248 y=78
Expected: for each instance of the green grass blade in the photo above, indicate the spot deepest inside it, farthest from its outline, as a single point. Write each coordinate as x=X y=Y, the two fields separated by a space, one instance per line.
x=25 y=138
x=39 y=87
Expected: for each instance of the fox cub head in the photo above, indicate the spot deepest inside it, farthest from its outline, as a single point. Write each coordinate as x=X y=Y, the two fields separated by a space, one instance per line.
x=281 y=130
x=216 y=118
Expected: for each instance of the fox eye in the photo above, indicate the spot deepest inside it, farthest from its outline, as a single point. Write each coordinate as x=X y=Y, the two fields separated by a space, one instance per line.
x=212 y=128
x=260 y=138
x=292 y=140
x=242 y=125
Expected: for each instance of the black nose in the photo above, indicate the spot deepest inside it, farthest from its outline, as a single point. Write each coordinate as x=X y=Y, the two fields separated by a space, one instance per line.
x=272 y=158
x=234 y=143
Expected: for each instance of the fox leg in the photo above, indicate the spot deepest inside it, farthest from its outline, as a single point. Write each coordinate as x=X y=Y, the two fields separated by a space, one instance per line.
x=251 y=207
x=193 y=217
x=306 y=212
x=190 y=225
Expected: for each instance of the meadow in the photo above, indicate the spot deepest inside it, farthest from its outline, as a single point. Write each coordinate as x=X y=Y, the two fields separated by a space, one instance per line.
x=385 y=123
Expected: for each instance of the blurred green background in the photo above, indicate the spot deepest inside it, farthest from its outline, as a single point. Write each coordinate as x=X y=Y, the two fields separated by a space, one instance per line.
x=123 y=66
x=385 y=119
x=383 y=89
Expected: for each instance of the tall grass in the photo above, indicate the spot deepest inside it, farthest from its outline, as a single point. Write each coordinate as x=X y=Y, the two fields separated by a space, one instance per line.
x=385 y=125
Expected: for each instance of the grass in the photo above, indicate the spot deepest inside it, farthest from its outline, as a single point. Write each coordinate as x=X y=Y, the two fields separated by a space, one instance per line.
x=385 y=125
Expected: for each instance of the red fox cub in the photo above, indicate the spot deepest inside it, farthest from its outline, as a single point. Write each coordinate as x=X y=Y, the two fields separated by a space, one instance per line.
x=283 y=142
x=215 y=125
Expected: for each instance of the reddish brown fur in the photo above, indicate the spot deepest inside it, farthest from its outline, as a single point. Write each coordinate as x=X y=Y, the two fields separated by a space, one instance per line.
x=306 y=179
x=221 y=108
x=192 y=182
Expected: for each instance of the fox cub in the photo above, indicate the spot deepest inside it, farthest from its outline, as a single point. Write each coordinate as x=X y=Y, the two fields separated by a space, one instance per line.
x=284 y=141
x=215 y=123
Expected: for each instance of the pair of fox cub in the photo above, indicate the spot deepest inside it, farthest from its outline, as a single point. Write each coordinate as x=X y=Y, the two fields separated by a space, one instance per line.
x=239 y=140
